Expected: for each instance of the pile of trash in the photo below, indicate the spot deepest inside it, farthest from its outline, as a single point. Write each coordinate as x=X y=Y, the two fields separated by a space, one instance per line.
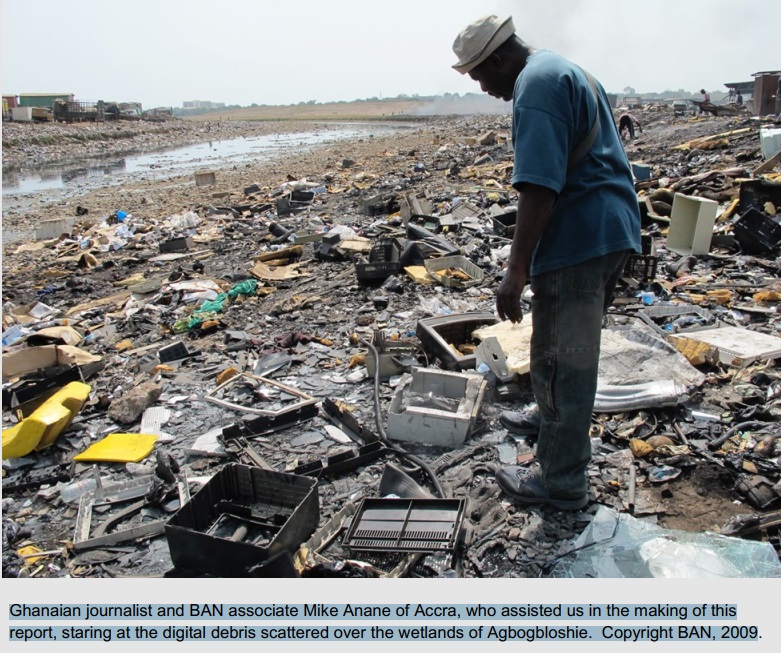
x=305 y=379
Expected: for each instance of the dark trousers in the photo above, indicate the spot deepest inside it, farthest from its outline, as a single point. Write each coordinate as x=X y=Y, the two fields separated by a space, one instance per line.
x=567 y=310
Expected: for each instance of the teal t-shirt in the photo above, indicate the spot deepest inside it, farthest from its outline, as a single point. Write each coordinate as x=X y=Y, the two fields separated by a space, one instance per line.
x=596 y=211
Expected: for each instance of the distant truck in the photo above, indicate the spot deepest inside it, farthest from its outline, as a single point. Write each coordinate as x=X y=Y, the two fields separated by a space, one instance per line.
x=73 y=111
x=42 y=114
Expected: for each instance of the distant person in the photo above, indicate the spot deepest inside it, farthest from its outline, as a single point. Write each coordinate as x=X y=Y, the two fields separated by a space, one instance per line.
x=739 y=99
x=627 y=123
x=705 y=100
x=778 y=98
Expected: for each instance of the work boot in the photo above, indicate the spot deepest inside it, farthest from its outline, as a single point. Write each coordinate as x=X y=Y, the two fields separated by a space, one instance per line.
x=525 y=422
x=524 y=485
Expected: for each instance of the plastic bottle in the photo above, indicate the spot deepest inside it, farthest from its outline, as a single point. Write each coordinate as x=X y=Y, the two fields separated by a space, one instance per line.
x=73 y=491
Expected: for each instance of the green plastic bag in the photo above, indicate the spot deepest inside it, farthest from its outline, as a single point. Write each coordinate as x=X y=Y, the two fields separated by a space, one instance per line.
x=214 y=305
x=246 y=287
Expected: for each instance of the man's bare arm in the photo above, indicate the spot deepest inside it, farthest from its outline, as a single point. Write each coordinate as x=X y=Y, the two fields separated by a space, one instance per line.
x=534 y=207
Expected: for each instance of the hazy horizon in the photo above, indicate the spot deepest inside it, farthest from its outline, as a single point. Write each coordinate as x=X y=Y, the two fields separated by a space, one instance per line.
x=240 y=52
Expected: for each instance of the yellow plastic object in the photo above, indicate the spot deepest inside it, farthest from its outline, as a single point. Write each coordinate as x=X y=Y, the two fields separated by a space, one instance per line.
x=29 y=551
x=41 y=428
x=119 y=448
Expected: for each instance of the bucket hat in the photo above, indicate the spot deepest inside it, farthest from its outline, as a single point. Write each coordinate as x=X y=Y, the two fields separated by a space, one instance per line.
x=477 y=41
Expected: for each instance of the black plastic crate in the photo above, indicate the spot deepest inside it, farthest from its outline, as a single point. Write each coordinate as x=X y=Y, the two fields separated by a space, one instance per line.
x=504 y=223
x=383 y=261
x=176 y=244
x=754 y=193
x=176 y=351
x=641 y=267
x=757 y=232
x=275 y=511
x=436 y=334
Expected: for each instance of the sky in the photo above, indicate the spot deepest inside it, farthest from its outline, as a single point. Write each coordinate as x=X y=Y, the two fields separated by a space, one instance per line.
x=163 y=52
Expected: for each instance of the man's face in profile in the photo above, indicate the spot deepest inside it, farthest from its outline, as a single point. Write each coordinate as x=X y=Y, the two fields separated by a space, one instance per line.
x=492 y=79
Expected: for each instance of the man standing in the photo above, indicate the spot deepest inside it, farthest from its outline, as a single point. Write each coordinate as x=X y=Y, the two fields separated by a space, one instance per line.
x=577 y=222
x=778 y=98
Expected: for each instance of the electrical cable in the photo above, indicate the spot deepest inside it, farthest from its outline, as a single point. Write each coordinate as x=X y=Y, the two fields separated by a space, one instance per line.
x=753 y=424
x=381 y=429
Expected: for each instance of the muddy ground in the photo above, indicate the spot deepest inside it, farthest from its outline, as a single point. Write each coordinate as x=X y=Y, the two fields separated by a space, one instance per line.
x=435 y=157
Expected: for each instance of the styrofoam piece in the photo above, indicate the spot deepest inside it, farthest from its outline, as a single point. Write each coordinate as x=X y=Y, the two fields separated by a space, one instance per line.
x=153 y=419
x=737 y=346
x=49 y=229
x=22 y=114
x=205 y=178
x=691 y=225
x=430 y=425
x=770 y=141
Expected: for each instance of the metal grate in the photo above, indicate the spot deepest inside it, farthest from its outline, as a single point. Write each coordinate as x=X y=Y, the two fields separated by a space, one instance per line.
x=423 y=525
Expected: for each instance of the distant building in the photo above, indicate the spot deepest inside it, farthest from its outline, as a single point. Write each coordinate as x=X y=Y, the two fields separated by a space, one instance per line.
x=202 y=104
x=765 y=90
x=43 y=99
x=746 y=89
x=9 y=102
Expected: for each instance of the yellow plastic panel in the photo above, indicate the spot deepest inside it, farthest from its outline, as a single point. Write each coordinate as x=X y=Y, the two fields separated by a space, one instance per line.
x=119 y=448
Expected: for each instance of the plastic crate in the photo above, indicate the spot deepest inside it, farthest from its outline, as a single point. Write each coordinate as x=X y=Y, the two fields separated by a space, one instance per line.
x=755 y=192
x=757 y=232
x=383 y=261
x=279 y=511
x=504 y=224
x=461 y=263
x=437 y=334
x=641 y=267
x=173 y=352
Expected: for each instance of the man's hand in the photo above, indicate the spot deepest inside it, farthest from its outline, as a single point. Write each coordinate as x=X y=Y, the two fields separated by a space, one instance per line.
x=508 y=296
x=534 y=207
